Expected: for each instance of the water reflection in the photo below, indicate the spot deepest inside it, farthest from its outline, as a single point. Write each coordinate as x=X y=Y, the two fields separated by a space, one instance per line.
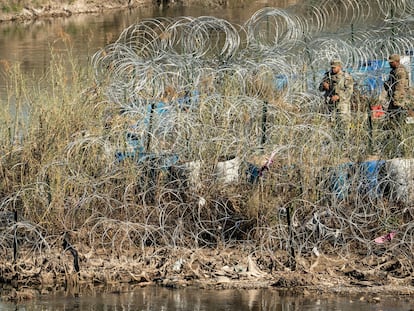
x=30 y=43
x=156 y=298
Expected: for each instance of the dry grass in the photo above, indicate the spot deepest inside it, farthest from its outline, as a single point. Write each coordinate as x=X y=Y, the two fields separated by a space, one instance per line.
x=60 y=174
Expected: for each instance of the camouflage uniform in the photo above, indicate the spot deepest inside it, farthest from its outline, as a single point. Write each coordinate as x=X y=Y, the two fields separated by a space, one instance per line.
x=340 y=84
x=397 y=88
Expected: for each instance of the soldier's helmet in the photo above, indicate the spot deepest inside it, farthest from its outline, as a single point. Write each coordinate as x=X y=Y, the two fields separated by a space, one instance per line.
x=394 y=58
x=336 y=63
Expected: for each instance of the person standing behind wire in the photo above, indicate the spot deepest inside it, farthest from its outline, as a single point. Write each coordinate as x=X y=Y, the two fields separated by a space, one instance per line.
x=397 y=86
x=397 y=90
x=338 y=87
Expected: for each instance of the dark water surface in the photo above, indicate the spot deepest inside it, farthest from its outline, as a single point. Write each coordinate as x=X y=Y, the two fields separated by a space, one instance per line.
x=155 y=298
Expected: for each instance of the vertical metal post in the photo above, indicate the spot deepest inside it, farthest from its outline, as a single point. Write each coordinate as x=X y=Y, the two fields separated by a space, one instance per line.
x=264 y=121
x=148 y=146
x=292 y=261
x=15 y=237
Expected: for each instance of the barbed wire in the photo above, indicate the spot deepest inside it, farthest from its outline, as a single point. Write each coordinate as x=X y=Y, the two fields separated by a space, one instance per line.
x=284 y=54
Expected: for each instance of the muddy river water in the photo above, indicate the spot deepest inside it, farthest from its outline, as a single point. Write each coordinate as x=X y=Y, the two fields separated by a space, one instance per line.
x=30 y=44
x=156 y=298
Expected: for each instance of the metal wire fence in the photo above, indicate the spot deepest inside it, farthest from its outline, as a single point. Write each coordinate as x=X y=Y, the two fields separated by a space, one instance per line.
x=230 y=140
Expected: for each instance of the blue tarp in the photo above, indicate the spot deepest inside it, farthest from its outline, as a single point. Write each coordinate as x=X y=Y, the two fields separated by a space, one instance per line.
x=162 y=112
x=372 y=72
x=375 y=71
x=365 y=178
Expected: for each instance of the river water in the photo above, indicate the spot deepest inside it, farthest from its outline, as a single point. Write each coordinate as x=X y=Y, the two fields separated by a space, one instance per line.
x=156 y=298
x=30 y=44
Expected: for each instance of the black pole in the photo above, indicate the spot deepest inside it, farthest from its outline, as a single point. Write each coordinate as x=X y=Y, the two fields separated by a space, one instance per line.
x=290 y=239
x=264 y=120
x=150 y=127
x=15 y=237
x=370 y=128
x=353 y=42
x=68 y=247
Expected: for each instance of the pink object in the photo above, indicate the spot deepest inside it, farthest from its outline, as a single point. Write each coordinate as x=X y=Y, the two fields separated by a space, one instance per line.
x=385 y=238
x=377 y=111
x=267 y=164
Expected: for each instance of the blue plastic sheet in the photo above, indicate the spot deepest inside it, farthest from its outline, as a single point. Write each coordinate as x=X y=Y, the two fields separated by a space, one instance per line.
x=364 y=178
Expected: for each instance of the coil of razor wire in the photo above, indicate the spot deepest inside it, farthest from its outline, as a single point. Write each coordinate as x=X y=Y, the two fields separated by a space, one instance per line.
x=204 y=36
x=274 y=28
x=267 y=69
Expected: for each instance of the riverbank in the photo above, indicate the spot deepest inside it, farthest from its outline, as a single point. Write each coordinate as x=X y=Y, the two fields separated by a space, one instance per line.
x=36 y=10
x=209 y=268
x=54 y=9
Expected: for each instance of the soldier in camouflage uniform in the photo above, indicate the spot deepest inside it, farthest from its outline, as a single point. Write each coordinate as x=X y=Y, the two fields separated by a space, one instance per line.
x=338 y=87
x=397 y=85
x=397 y=89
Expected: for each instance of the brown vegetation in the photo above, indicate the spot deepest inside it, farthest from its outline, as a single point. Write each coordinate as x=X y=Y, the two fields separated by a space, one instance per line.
x=59 y=176
x=27 y=10
x=67 y=202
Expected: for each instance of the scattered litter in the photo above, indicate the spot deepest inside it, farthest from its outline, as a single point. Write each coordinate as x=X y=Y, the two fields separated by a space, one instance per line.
x=385 y=238
x=315 y=251
x=253 y=269
x=201 y=202
x=409 y=120
x=178 y=265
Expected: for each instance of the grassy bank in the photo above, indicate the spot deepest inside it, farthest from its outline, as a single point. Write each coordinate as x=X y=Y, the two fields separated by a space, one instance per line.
x=32 y=10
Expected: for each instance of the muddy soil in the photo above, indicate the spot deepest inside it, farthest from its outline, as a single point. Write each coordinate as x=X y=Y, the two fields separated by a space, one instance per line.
x=218 y=268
